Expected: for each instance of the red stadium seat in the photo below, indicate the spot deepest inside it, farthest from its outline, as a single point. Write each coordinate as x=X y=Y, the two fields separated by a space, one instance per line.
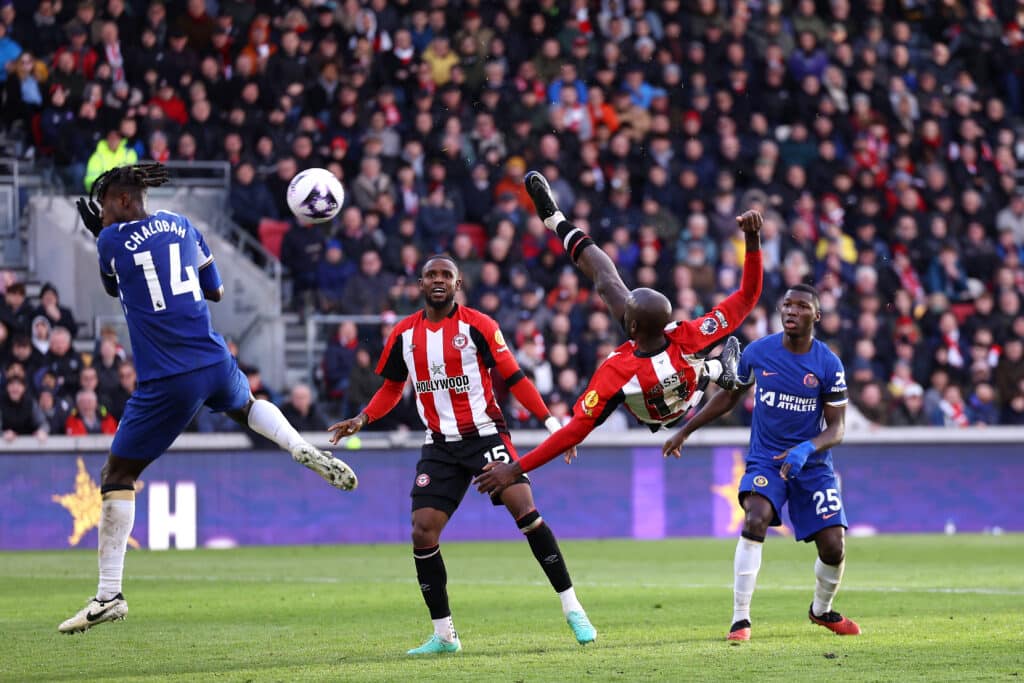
x=271 y=233
x=477 y=233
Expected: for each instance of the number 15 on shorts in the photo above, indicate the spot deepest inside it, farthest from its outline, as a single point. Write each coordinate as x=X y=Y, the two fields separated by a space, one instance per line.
x=498 y=454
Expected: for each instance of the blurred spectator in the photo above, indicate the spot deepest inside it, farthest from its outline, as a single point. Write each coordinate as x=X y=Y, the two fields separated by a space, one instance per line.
x=55 y=411
x=301 y=250
x=871 y=402
x=63 y=362
x=301 y=412
x=909 y=410
x=49 y=306
x=112 y=151
x=23 y=352
x=363 y=381
x=366 y=291
x=982 y=406
x=257 y=387
x=339 y=359
x=107 y=363
x=116 y=398
x=15 y=311
x=41 y=334
x=332 y=274
x=250 y=200
x=88 y=417
x=952 y=411
x=19 y=412
x=9 y=51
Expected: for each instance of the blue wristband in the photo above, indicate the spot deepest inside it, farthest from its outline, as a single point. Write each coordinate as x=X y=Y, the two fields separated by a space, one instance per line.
x=797 y=456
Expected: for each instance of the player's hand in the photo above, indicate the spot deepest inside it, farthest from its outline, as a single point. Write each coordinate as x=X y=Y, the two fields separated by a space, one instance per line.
x=786 y=467
x=570 y=455
x=496 y=477
x=674 y=444
x=92 y=215
x=794 y=459
x=347 y=427
x=750 y=222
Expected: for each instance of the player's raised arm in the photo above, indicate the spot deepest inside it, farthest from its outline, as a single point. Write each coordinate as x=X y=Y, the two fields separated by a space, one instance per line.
x=727 y=316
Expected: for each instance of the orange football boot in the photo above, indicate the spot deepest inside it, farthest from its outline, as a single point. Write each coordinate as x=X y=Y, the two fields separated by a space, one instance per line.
x=739 y=631
x=835 y=622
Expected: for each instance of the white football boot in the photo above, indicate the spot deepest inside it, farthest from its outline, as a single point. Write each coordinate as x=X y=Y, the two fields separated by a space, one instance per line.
x=335 y=471
x=96 y=612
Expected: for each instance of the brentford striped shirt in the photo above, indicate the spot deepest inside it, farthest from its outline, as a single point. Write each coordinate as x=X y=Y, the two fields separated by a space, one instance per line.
x=657 y=388
x=449 y=364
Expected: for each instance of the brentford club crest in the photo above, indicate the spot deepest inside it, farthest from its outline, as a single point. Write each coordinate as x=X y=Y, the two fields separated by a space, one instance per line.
x=422 y=480
x=460 y=341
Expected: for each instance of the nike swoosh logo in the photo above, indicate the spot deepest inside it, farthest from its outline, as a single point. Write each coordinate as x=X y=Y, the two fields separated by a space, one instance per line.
x=89 y=616
x=829 y=516
x=765 y=373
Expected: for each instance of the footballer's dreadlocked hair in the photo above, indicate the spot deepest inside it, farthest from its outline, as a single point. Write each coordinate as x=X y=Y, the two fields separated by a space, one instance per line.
x=140 y=176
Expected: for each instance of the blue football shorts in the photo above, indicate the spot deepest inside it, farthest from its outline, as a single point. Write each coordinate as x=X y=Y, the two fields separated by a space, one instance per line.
x=160 y=409
x=813 y=496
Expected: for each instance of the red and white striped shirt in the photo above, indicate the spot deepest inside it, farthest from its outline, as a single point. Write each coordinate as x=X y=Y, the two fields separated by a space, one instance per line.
x=657 y=388
x=449 y=364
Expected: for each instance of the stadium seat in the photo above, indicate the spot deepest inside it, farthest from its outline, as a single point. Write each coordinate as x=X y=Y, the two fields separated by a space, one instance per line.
x=271 y=234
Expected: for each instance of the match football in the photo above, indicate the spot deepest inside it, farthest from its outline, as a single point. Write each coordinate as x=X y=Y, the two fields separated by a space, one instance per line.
x=659 y=340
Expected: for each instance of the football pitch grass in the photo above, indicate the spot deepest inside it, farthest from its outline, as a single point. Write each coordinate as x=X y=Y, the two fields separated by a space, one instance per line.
x=931 y=608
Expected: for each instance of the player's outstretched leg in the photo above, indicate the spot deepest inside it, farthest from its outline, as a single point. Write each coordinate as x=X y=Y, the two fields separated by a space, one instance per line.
x=549 y=556
x=828 y=574
x=266 y=419
x=593 y=262
x=427 y=524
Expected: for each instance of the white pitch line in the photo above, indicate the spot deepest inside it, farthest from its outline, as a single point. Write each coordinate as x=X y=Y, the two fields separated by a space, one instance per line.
x=496 y=582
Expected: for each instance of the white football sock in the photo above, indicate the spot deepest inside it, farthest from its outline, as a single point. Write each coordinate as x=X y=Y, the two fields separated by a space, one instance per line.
x=266 y=420
x=569 y=601
x=745 y=567
x=553 y=221
x=826 y=585
x=714 y=369
x=445 y=629
x=116 y=521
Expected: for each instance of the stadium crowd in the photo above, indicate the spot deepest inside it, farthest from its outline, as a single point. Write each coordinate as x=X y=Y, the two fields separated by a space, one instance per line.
x=881 y=139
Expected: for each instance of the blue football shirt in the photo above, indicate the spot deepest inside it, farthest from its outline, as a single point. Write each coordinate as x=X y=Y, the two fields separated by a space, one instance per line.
x=791 y=391
x=156 y=262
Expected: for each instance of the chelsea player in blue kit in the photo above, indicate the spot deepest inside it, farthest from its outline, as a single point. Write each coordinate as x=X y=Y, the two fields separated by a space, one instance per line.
x=799 y=415
x=161 y=269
